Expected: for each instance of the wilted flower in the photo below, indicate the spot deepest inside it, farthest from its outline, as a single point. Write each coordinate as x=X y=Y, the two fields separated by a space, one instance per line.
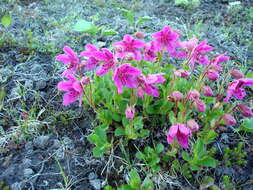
x=193 y=125
x=182 y=73
x=128 y=45
x=237 y=74
x=181 y=132
x=70 y=58
x=147 y=84
x=73 y=89
x=228 y=119
x=130 y=112
x=207 y=91
x=175 y=96
x=212 y=74
x=235 y=88
x=245 y=110
x=125 y=75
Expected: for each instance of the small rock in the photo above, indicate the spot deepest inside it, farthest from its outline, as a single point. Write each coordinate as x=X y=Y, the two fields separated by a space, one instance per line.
x=41 y=84
x=29 y=84
x=29 y=147
x=56 y=144
x=28 y=172
x=27 y=162
x=41 y=142
x=94 y=181
x=16 y=186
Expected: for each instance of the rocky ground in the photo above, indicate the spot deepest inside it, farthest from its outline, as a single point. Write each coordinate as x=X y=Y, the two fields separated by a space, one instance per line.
x=43 y=145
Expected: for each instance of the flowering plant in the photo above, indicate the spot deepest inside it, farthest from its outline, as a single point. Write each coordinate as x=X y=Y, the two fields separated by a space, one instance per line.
x=135 y=92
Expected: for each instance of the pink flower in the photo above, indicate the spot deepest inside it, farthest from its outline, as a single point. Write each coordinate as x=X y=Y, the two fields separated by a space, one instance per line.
x=200 y=105
x=192 y=125
x=139 y=35
x=207 y=91
x=193 y=95
x=235 y=88
x=181 y=132
x=70 y=58
x=237 y=74
x=73 y=89
x=106 y=56
x=92 y=62
x=175 y=96
x=125 y=75
x=196 y=52
x=182 y=73
x=167 y=39
x=245 y=110
x=128 y=45
x=228 y=119
x=212 y=74
x=149 y=51
x=130 y=112
x=146 y=85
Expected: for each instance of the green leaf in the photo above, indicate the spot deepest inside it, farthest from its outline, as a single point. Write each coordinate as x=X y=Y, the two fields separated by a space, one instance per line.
x=85 y=26
x=147 y=184
x=137 y=122
x=199 y=149
x=159 y=148
x=210 y=136
x=144 y=132
x=195 y=168
x=140 y=155
x=135 y=180
x=119 y=132
x=116 y=117
x=109 y=32
x=6 y=20
x=186 y=156
x=181 y=2
x=208 y=162
x=247 y=125
x=129 y=15
x=142 y=19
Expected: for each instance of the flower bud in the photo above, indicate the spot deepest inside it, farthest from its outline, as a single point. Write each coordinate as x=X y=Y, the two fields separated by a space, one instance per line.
x=237 y=74
x=175 y=96
x=200 y=105
x=182 y=73
x=139 y=35
x=130 y=112
x=245 y=110
x=193 y=95
x=193 y=125
x=212 y=75
x=228 y=119
x=207 y=91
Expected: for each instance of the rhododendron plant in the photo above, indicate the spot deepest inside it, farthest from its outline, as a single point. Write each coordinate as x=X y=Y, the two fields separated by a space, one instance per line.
x=134 y=90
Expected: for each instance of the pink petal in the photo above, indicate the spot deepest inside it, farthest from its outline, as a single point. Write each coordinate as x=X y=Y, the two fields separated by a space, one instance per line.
x=64 y=85
x=63 y=58
x=69 y=98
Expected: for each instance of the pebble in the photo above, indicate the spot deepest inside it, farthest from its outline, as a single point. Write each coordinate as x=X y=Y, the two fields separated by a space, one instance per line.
x=94 y=181
x=41 y=142
x=28 y=172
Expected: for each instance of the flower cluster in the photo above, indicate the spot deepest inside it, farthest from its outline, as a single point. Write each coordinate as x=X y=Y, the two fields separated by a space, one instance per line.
x=126 y=63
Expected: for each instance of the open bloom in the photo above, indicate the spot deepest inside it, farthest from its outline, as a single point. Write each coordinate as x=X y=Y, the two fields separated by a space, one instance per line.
x=70 y=58
x=193 y=125
x=106 y=56
x=193 y=95
x=197 y=52
x=91 y=62
x=245 y=110
x=128 y=45
x=235 y=88
x=73 y=89
x=181 y=132
x=168 y=39
x=175 y=96
x=207 y=91
x=146 y=84
x=199 y=105
x=130 y=112
x=237 y=74
x=125 y=75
